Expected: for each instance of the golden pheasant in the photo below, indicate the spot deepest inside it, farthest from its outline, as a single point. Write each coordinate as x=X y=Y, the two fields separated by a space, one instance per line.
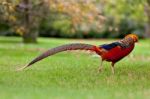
x=112 y=52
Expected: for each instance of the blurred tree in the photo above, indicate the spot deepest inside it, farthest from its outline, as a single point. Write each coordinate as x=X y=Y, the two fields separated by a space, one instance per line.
x=124 y=16
x=147 y=10
x=25 y=16
x=77 y=15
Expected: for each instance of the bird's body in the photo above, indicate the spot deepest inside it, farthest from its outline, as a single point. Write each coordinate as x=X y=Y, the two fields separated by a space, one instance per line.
x=115 y=54
x=112 y=52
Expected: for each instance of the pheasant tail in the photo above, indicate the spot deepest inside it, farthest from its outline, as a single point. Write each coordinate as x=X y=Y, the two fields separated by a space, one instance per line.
x=73 y=46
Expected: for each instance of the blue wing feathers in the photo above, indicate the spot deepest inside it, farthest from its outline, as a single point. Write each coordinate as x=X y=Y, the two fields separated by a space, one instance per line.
x=109 y=46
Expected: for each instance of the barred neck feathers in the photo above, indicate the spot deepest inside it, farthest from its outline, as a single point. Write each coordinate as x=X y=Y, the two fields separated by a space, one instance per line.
x=126 y=42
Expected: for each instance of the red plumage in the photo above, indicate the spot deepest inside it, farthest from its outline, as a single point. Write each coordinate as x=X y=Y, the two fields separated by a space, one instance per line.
x=116 y=54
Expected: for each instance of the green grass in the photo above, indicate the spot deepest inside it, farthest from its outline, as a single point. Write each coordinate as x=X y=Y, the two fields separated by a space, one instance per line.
x=71 y=75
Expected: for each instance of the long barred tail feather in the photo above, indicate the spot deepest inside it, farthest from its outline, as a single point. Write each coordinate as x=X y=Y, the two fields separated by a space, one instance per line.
x=73 y=46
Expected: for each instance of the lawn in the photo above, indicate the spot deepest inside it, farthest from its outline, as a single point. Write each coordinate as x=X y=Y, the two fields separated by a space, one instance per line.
x=71 y=75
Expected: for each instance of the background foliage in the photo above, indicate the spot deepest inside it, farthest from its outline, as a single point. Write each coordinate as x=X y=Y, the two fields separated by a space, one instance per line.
x=74 y=18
